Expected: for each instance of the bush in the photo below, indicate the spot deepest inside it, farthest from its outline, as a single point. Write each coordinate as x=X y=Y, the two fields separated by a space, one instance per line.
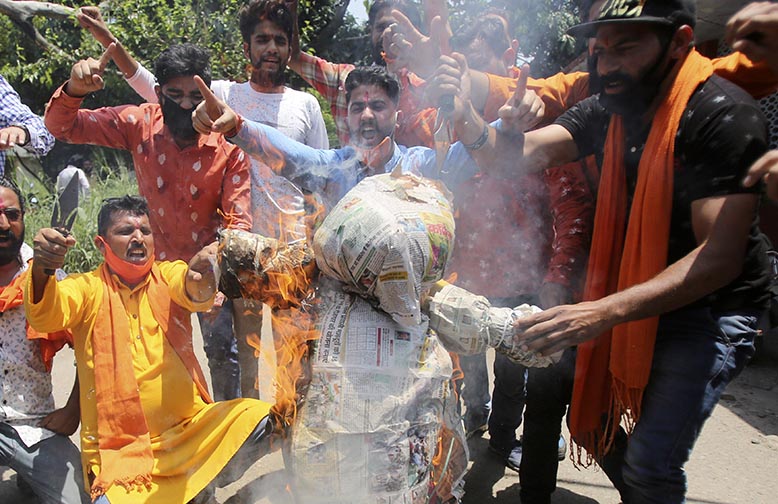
x=84 y=256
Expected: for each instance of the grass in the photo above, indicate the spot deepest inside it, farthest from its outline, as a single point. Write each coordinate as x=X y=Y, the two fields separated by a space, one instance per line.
x=84 y=256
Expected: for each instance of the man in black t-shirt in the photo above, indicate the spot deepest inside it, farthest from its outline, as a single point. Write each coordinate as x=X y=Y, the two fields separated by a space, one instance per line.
x=677 y=274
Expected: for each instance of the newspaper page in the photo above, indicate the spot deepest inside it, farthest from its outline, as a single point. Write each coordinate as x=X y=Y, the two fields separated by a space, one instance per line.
x=376 y=410
x=386 y=238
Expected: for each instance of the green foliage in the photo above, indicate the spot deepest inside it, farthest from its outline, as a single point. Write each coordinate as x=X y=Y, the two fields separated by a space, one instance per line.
x=84 y=256
x=146 y=28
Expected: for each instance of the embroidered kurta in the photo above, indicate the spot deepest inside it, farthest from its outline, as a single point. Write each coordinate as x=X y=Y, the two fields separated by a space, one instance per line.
x=191 y=440
x=186 y=188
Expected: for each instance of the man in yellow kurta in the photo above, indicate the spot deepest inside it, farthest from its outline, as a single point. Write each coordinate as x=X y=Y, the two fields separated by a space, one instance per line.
x=149 y=431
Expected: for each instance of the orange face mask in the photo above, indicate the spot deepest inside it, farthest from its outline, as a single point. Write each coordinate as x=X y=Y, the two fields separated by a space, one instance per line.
x=128 y=272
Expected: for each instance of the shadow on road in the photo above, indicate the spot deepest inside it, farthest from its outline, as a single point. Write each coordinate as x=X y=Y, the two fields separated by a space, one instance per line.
x=485 y=482
x=752 y=395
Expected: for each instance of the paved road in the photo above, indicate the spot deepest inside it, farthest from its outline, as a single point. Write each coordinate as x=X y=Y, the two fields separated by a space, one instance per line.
x=735 y=461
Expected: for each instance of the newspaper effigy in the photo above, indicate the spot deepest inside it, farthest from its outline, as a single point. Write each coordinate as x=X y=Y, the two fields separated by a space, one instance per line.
x=385 y=239
x=379 y=423
x=468 y=324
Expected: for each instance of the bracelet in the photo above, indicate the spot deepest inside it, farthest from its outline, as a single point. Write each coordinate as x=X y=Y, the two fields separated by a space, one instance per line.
x=480 y=141
x=26 y=132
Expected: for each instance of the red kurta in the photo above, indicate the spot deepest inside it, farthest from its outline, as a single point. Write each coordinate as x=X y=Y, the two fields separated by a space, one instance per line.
x=186 y=188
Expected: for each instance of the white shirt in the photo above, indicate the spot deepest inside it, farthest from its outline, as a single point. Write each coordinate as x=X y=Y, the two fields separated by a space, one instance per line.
x=63 y=178
x=298 y=116
x=294 y=113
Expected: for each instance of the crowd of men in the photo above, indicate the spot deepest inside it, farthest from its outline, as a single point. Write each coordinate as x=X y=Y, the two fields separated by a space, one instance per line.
x=622 y=200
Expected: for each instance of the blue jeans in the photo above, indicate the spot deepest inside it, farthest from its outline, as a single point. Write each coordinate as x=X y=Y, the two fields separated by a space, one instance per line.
x=697 y=353
x=52 y=467
x=221 y=348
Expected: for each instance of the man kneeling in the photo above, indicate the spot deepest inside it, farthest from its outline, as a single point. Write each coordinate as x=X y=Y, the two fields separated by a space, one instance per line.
x=150 y=432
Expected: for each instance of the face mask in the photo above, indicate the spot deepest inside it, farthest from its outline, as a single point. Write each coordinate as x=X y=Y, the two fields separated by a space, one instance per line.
x=130 y=273
x=177 y=119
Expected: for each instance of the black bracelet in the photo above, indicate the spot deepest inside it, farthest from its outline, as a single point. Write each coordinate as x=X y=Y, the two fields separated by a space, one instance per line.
x=480 y=141
x=26 y=131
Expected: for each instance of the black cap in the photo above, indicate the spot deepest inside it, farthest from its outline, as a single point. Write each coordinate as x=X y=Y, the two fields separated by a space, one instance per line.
x=671 y=13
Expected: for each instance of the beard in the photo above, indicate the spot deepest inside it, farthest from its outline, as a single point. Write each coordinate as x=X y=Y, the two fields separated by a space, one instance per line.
x=268 y=78
x=639 y=92
x=14 y=245
x=178 y=119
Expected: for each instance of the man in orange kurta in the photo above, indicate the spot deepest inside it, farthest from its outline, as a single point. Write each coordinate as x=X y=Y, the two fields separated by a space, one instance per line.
x=149 y=431
x=194 y=183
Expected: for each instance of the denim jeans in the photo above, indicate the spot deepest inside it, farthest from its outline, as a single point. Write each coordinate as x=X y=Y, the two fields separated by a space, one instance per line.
x=697 y=353
x=221 y=348
x=548 y=394
x=52 y=467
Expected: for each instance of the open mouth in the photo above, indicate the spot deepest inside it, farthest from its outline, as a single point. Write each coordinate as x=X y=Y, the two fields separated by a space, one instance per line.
x=136 y=255
x=270 y=62
x=614 y=87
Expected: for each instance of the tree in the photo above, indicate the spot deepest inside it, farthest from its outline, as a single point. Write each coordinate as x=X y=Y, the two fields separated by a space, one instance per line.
x=39 y=42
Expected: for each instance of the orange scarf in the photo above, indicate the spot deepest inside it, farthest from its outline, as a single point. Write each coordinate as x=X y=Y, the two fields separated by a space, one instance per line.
x=11 y=296
x=612 y=370
x=124 y=442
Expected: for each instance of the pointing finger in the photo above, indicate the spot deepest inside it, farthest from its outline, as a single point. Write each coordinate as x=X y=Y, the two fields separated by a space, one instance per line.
x=106 y=57
x=440 y=35
x=208 y=96
x=521 y=85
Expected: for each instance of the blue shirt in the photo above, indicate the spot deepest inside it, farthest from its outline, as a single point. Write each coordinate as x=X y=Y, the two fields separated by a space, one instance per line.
x=331 y=173
x=15 y=113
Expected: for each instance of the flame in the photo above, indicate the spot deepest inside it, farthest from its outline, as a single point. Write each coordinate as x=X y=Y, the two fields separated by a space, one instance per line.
x=280 y=273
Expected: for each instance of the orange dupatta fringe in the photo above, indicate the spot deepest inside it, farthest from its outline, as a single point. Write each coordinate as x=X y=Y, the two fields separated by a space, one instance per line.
x=612 y=370
x=11 y=296
x=124 y=441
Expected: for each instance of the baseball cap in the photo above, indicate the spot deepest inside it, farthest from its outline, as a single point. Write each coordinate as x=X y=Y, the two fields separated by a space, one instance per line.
x=660 y=12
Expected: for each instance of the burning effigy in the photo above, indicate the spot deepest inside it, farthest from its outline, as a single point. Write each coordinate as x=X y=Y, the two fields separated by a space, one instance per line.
x=372 y=414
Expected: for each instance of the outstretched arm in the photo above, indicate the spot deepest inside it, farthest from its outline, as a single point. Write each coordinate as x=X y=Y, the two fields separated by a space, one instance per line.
x=721 y=225
x=282 y=154
x=506 y=149
x=201 y=280
x=92 y=21
x=19 y=125
x=49 y=249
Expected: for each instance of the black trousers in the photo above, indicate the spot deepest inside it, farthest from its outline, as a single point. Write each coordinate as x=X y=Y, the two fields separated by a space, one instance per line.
x=548 y=394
